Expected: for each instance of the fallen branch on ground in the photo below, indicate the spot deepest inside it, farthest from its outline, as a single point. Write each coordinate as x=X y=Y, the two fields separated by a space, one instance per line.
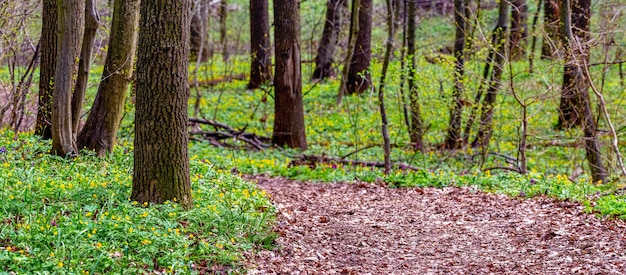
x=313 y=161
x=224 y=132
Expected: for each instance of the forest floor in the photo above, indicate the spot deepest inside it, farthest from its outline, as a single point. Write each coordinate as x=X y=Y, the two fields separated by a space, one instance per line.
x=363 y=228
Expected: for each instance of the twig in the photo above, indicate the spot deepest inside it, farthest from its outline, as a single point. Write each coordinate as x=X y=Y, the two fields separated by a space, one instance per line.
x=323 y=159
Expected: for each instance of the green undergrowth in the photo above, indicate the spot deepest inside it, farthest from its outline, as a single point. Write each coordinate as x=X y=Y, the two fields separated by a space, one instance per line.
x=74 y=216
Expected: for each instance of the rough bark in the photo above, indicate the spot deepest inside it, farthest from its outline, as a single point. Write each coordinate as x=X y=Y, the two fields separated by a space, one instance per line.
x=48 y=51
x=416 y=130
x=575 y=17
x=260 y=52
x=571 y=109
x=326 y=49
x=519 y=29
x=289 y=112
x=198 y=31
x=70 y=34
x=551 y=23
x=359 y=77
x=453 y=139
x=92 y=20
x=485 y=129
x=100 y=129
x=161 y=159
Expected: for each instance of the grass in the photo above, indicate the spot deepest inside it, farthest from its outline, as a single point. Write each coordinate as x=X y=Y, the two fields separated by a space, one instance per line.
x=61 y=216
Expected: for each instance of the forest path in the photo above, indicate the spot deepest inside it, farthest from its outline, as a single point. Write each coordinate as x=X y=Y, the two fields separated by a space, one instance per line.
x=362 y=228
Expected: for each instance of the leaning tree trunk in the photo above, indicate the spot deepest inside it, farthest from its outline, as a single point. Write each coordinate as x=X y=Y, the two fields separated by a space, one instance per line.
x=288 y=109
x=571 y=109
x=326 y=49
x=551 y=23
x=198 y=31
x=100 y=129
x=453 y=139
x=92 y=20
x=47 y=68
x=577 y=55
x=416 y=130
x=70 y=33
x=486 y=119
x=519 y=29
x=261 y=64
x=161 y=159
x=359 y=77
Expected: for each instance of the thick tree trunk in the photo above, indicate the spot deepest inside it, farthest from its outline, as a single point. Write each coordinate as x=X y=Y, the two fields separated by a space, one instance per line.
x=198 y=31
x=416 y=130
x=289 y=112
x=453 y=139
x=70 y=34
x=260 y=66
x=92 y=20
x=486 y=119
x=571 y=107
x=100 y=130
x=161 y=160
x=519 y=29
x=326 y=49
x=48 y=48
x=575 y=20
x=551 y=23
x=359 y=76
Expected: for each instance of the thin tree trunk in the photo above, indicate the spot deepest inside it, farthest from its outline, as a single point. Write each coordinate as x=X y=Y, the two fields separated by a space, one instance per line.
x=359 y=76
x=416 y=130
x=453 y=139
x=161 y=159
x=100 y=130
x=330 y=34
x=289 y=112
x=531 y=56
x=260 y=66
x=92 y=20
x=381 y=89
x=48 y=44
x=70 y=31
x=486 y=119
x=354 y=30
x=519 y=29
x=224 y=30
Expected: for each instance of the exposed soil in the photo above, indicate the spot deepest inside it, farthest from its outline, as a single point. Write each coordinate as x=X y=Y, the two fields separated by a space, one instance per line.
x=367 y=229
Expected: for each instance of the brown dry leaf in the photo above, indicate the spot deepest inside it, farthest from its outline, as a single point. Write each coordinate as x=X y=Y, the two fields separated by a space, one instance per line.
x=377 y=230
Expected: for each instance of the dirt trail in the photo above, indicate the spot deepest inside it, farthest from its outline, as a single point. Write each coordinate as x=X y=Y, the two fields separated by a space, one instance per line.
x=367 y=229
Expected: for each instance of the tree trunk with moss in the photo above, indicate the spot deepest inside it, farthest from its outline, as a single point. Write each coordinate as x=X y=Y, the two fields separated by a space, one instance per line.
x=260 y=53
x=100 y=129
x=359 y=76
x=70 y=34
x=416 y=130
x=47 y=68
x=288 y=109
x=161 y=159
